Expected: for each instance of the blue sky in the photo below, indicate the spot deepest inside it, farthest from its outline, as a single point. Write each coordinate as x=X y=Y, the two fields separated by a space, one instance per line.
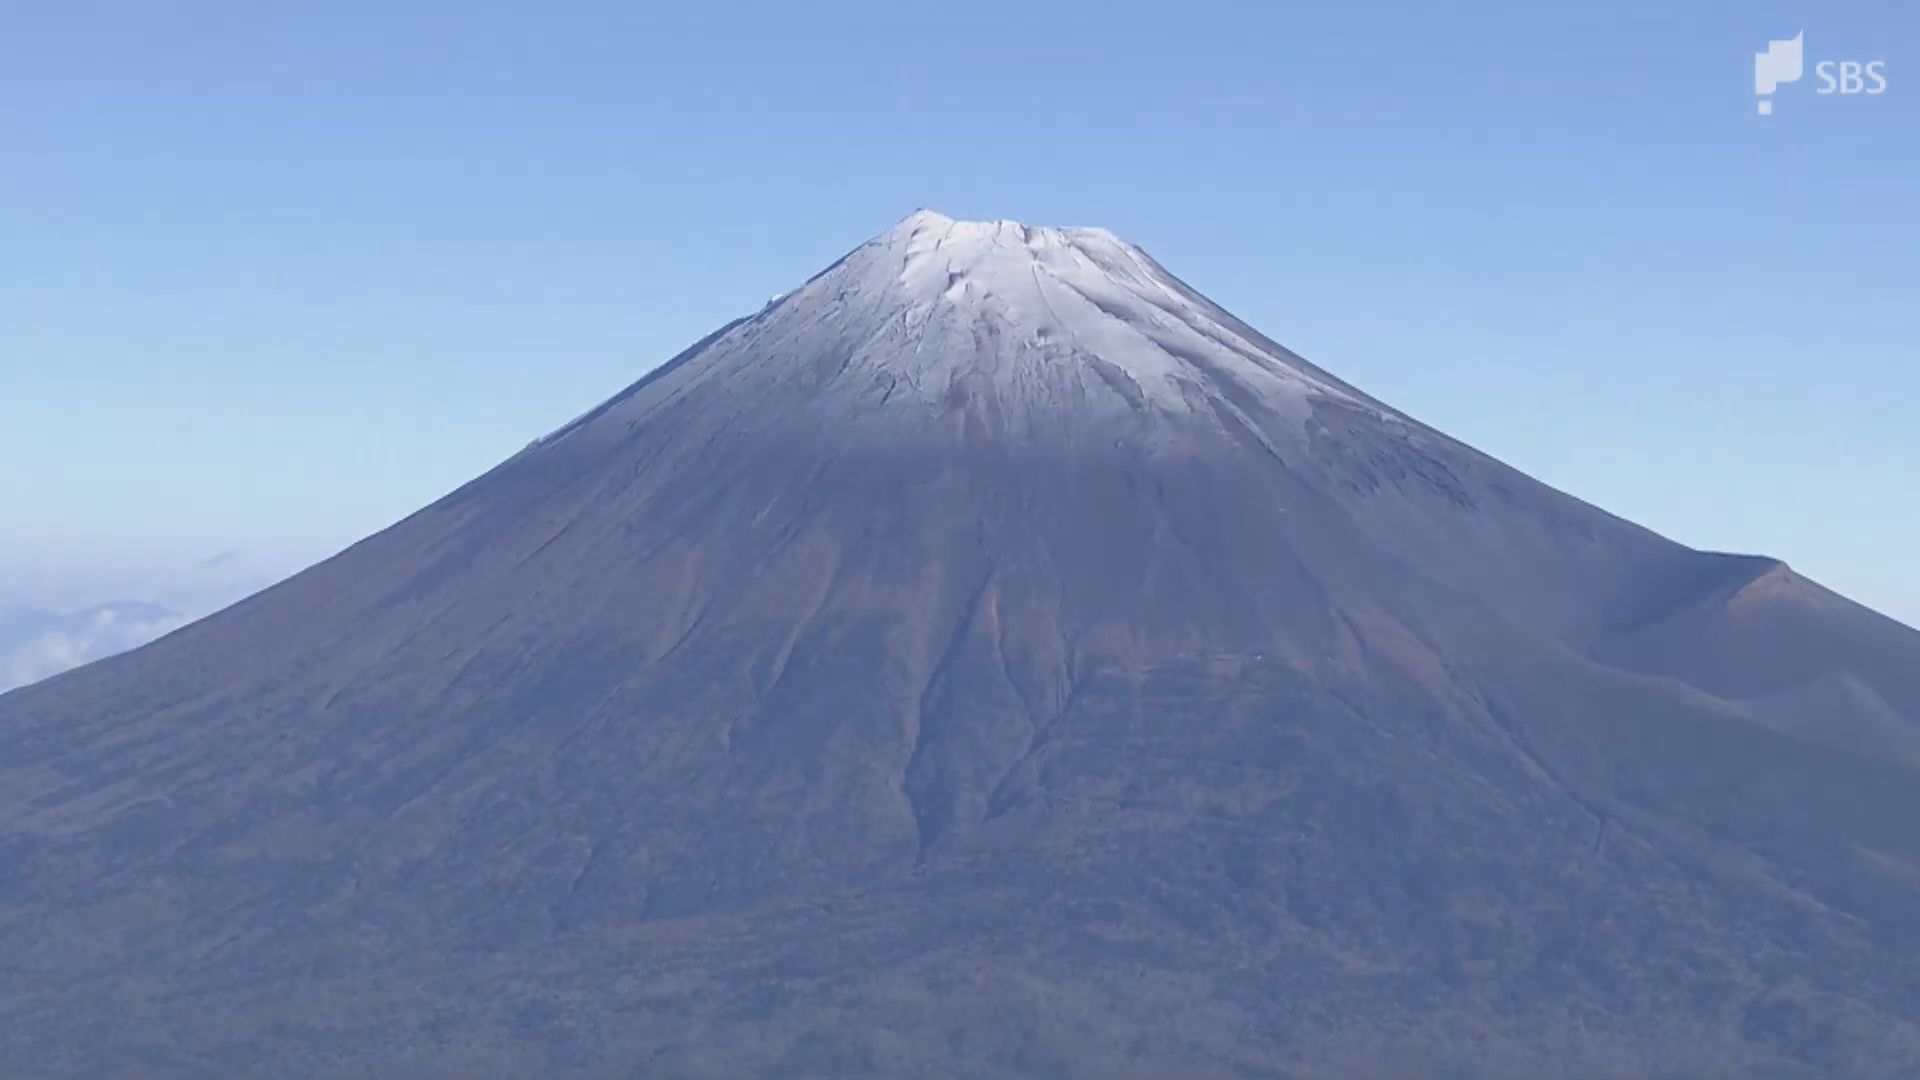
x=275 y=275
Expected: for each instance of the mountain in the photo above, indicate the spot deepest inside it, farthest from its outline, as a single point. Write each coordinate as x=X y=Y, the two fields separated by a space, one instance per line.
x=36 y=643
x=991 y=658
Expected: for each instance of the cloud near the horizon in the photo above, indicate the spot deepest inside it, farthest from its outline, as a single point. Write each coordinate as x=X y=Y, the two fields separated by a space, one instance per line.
x=35 y=645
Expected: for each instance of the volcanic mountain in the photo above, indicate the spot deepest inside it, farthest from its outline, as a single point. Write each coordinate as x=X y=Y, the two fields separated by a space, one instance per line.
x=991 y=658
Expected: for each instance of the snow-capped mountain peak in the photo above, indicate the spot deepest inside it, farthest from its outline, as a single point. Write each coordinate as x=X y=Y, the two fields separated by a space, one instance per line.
x=1037 y=326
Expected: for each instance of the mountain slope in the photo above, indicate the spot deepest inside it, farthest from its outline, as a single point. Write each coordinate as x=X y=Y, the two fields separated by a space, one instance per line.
x=990 y=658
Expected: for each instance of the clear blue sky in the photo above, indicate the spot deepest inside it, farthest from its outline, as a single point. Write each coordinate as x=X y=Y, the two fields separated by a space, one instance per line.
x=275 y=275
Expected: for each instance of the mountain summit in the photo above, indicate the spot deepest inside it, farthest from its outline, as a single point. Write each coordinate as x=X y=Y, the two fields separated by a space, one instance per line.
x=990 y=658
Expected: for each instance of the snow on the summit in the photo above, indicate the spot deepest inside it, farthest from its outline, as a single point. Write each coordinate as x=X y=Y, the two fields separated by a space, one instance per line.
x=1031 y=326
x=1069 y=293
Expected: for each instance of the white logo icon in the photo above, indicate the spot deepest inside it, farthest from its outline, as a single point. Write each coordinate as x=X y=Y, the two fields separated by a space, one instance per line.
x=1779 y=64
x=1784 y=62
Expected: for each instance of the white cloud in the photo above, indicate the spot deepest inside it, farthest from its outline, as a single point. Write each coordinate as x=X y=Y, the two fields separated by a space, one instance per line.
x=37 y=644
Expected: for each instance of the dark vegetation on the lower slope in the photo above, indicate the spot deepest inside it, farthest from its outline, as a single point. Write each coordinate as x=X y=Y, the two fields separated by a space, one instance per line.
x=1215 y=868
